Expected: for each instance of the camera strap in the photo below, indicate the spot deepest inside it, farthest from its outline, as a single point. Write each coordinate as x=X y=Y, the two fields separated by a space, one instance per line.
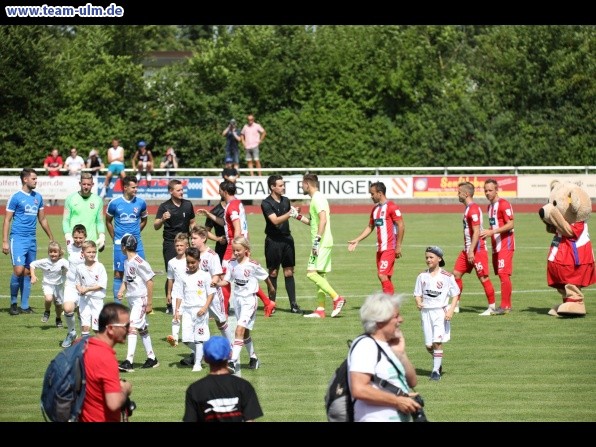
x=383 y=383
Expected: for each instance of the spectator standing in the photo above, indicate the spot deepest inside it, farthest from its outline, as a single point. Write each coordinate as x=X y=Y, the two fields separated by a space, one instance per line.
x=139 y=294
x=500 y=220
x=116 y=165
x=74 y=163
x=319 y=261
x=387 y=219
x=381 y=319
x=91 y=281
x=233 y=137
x=432 y=291
x=106 y=394
x=175 y=215
x=253 y=135
x=220 y=396
x=474 y=256
x=95 y=163
x=125 y=215
x=245 y=273
x=53 y=164
x=54 y=269
x=230 y=173
x=169 y=161
x=142 y=160
x=23 y=209
x=279 y=243
x=86 y=208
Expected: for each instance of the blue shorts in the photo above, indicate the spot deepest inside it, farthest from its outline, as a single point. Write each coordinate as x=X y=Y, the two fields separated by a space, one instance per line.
x=120 y=257
x=116 y=168
x=234 y=154
x=23 y=251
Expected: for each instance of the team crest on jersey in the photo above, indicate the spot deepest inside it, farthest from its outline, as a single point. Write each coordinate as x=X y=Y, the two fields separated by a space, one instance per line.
x=508 y=212
x=246 y=274
x=92 y=206
x=439 y=284
x=135 y=210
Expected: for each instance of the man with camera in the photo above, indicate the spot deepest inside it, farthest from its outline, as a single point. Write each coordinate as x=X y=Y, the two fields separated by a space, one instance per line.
x=107 y=397
x=232 y=135
x=370 y=371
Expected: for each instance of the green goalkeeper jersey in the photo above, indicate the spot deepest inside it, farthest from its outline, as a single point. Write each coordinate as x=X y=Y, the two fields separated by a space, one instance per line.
x=84 y=210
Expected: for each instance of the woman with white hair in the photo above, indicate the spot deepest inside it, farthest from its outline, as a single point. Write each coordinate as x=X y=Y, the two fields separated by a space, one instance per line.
x=381 y=354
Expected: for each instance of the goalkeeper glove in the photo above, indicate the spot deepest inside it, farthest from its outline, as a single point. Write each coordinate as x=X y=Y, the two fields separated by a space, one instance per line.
x=293 y=212
x=69 y=239
x=316 y=245
x=101 y=241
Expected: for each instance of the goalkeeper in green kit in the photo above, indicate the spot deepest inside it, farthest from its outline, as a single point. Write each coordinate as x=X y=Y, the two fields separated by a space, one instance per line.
x=86 y=208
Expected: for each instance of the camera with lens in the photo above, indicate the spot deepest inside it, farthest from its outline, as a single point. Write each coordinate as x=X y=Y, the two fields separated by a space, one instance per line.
x=128 y=407
x=419 y=415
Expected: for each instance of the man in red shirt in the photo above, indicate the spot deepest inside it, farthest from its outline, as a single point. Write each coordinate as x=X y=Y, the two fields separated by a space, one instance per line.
x=474 y=256
x=106 y=393
x=387 y=219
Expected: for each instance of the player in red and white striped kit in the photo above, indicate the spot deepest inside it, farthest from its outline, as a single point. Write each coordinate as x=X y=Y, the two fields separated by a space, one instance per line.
x=474 y=256
x=500 y=219
x=386 y=218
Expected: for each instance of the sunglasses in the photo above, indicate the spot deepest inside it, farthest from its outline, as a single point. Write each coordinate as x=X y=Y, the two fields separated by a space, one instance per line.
x=126 y=325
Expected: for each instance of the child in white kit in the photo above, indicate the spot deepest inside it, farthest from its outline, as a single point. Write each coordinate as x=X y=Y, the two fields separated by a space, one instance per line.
x=54 y=269
x=175 y=273
x=197 y=296
x=91 y=281
x=74 y=247
x=433 y=288
x=245 y=273
x=137 y=282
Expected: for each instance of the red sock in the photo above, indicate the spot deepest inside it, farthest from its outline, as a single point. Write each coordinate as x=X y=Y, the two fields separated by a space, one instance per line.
x=506 y=289
x=489 y=291
x=264 y=298
x=387 y=287
x=460 y=284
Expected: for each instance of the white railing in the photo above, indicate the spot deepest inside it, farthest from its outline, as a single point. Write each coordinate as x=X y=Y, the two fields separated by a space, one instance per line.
x=444 y=170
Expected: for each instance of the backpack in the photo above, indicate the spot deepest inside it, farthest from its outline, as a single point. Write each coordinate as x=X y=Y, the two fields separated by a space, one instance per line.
x=339 y=404
x=63 y=390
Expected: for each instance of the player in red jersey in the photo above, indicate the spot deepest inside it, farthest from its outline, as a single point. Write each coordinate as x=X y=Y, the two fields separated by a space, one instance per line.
x=474 y=256
x=386 y=218
x=500 y=219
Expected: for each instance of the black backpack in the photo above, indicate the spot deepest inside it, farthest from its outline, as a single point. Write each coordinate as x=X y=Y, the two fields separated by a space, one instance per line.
x=63 y=390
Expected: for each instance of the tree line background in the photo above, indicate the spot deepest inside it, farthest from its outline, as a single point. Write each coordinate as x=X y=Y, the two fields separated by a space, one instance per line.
x=328 y=95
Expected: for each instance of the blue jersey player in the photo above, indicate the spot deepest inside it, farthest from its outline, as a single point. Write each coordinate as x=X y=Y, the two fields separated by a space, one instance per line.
x=125 y=215
x=23 y=209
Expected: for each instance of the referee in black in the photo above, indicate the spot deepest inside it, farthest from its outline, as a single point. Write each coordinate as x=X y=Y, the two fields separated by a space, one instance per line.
x=175 y=215
x=279 y=243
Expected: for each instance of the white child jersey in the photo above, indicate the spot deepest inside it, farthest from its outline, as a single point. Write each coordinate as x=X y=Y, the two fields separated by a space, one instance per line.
x=137 y=272
x=53 y=273
x=94 y=275
x=436 y=289
x=196 y=288
x=177 y=271
x=245 y=276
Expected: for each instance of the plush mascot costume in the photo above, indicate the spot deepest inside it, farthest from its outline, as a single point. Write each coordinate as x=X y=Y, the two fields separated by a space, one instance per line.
x=570 y=265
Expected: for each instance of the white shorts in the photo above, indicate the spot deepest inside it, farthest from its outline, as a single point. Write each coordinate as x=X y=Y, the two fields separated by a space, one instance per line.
x=89 y=309
x=246 y=311
x=194 y=328
x=434 y=326
x=71 y=294
x=138 y=312
x=217 y=307
x=57 y=291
